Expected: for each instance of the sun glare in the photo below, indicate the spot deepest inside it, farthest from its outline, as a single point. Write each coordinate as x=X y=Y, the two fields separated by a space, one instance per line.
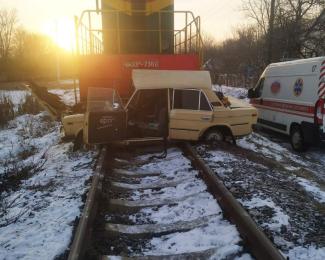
x=62 y=32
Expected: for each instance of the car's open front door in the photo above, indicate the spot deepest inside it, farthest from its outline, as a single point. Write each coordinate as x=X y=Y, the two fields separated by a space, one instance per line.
x=105 y=117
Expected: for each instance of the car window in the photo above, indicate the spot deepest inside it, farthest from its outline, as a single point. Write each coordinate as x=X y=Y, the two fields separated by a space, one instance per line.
x=186 y=99
x=204 y=103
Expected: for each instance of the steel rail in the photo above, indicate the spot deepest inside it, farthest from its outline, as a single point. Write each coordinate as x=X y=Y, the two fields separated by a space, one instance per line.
x=83 y=232
x=258 y=243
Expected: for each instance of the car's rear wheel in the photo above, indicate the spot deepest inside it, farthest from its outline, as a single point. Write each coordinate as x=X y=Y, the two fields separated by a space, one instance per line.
x=297 y=139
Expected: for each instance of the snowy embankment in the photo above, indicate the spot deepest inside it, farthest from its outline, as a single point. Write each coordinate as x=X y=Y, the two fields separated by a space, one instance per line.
x=41 y=186
x=16 y=96
x=289 y=201
x=67 y=96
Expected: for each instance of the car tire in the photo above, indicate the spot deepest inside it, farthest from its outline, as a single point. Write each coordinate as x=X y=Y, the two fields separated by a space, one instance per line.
x=297 y=139
x=214 y=136
x=78 y=142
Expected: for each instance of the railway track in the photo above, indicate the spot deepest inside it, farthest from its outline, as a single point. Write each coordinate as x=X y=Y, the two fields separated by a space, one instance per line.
x=140 y=207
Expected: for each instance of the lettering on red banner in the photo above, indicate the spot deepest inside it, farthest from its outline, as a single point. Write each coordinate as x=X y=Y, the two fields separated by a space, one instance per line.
x=148 y=64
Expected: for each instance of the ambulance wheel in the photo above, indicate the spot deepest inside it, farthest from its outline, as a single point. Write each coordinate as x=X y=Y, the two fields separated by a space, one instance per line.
x=214 y=136
x=78 y=142
x=297 y=139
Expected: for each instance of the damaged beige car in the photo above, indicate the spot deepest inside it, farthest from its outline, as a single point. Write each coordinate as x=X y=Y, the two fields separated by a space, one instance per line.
x=178 y=105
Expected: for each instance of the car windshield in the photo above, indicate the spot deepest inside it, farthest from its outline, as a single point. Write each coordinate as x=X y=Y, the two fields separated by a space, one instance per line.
x=103 y=99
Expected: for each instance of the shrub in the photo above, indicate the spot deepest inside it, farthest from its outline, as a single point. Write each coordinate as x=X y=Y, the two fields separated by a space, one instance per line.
x=29 y=106
x=7 y=112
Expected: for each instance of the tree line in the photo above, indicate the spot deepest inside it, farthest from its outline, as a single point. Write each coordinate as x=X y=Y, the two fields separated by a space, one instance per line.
x=28 y=55
x=298 y=32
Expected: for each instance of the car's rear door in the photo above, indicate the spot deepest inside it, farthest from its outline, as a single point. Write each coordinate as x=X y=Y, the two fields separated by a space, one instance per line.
x=190 y=113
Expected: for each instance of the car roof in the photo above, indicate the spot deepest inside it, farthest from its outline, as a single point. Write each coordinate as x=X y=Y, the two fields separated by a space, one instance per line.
x=177 y=79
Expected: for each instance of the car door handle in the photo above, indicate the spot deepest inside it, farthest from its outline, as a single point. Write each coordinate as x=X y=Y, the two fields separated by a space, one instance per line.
x=206 y=118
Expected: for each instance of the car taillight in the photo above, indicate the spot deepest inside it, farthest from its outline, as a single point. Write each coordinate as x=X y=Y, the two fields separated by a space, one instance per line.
x=320 y=111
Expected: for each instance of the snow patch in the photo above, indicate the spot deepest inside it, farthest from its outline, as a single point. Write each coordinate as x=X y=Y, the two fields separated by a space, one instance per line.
x=312 y=188
x=302 y=253
x=16 y=96
x=279 y=219
x=67 y=96
x=225 y=243
x=39 y=213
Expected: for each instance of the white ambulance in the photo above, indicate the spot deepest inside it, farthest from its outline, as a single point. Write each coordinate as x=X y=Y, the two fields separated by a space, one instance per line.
x=290 y=100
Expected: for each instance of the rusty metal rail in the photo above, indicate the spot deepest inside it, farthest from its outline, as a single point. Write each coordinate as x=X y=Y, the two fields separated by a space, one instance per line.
x=83 y=233
x=261 y=247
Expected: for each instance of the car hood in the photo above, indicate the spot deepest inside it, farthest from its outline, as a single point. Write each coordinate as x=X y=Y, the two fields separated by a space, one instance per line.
x=237 y=103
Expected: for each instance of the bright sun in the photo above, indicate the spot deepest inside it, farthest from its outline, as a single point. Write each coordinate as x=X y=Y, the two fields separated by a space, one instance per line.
x=62 y=32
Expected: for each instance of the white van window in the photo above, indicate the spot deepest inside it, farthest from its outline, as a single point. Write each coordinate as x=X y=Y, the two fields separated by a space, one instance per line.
x=186 y=99
x=204 y=103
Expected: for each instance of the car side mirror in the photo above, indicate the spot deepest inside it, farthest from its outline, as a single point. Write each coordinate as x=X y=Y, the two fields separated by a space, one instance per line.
x=251 y=93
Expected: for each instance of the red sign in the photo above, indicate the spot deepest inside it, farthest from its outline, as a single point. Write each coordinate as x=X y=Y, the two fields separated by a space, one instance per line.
x=115 y=71
x=275 y=87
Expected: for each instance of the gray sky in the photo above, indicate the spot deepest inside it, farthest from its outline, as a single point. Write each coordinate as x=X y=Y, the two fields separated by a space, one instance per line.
x=219 y=17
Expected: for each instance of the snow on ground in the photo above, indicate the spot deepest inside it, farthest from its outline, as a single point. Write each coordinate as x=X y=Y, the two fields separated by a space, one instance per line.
x=16 y=96
x=279 y=219
x=259 y=143
x=276 y=201
x=25 y=140
x=67 y=95
x=41 y=183
x=194 y=202
x=309 y=166
x=310 y=253
x=312 y=188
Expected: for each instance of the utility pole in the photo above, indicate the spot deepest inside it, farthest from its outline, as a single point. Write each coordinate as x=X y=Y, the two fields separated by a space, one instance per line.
x=271 y=33
x=58 y=69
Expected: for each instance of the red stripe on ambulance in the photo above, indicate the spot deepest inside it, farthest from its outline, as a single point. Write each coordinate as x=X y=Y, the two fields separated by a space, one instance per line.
x=285 y=111
x=285 y=106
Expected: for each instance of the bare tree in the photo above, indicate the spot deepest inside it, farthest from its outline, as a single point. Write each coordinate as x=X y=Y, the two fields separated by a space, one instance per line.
x=259 y=11
x=294 y=24
x=8 y=23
